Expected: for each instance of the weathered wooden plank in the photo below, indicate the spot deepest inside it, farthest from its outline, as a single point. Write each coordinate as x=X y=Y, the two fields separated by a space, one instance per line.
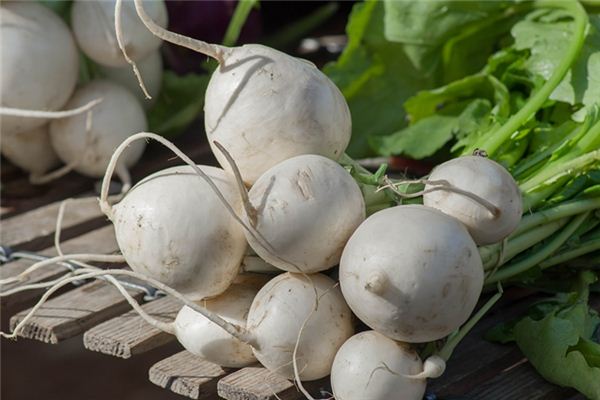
x=74 y=312
x=100 y=241
x=255 y=383
x=34 y=229
x=187 y=375
x=129 y=334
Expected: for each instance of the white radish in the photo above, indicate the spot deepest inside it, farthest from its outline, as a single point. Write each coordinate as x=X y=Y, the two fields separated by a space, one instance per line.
x=151 y=69
x=30 y=150
x=89 y=149
x=306 y=208
x=93 y=24
x=201 y=337
x=371 y=366
x=172 y=227
x=486 y=179
x=411 y=273
x=39 y=63
x=278 y=314
x=265 y=106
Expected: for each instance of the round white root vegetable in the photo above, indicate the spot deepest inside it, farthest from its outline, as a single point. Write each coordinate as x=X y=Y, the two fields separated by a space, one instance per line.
x=93 y=24
x=306 y=208
x=265 y=106
x=118 y=116
x=371 y=366
x=486 y=179
x=172 y=227
x=203 y=338
x=151 y=69
x=412 y=273
x=39 y=63
x=30 y=150
x=278 y=313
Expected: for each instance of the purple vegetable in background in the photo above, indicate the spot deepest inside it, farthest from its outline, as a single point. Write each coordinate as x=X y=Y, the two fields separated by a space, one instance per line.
x=205 y=20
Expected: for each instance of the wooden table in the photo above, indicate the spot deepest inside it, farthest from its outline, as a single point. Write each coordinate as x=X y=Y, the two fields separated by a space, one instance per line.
x=96 y=314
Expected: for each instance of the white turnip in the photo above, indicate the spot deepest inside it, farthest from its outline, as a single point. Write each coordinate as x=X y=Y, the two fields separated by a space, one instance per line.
x=265 y=106
x=93 y=24
x=306 y=208
x=30 y=150
x=39 y=63
x=118 y=116
x=486 y=179
x=412 y=273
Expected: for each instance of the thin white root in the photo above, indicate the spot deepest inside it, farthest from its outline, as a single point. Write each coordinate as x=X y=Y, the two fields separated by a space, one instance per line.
x=212 y=50
x=18 y=112
x=119 y=35
x=438 y=185
x=112 y=258
x=433 y=367
x=34 y=286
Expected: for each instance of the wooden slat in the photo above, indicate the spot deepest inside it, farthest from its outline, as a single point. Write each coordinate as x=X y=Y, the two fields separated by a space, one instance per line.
x=34 y=229
x=256 y=383
x=187 y=375
x=101 y=241
x=72 y=313
x=129 y=334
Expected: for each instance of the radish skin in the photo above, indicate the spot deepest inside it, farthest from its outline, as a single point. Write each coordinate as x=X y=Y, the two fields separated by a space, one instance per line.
x=277 y=315
x=486 y=179
x=94 y=28
x=371 y=366
x=411 y=273
x=201 y=337
x=306 y=207
x=256 y=114
x=30 y=150
x=39 y=63
x=151 y=68
x=118 y=116
x=172 y=227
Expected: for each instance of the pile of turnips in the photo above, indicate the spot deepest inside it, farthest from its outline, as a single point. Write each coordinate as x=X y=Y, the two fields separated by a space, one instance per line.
x=50 y=112
x=277 y=125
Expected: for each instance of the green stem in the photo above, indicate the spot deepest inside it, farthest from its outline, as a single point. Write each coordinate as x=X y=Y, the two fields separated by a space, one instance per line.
x=455 y=339
x=242 y=10
x=560 y=211
x=559 y=170
x=493 y=142
x=583 y=248
x=520 y=243
x=536 y=258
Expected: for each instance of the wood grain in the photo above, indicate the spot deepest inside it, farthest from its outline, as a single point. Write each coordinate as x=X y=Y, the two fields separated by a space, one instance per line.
x=187 y=375
x=100 y=240
x=72 y=313
x=128 y=334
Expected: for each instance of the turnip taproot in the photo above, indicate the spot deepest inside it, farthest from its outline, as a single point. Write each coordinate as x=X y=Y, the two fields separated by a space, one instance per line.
x=371 y=366
x=486 y=179
x=412 y=273
x=151 y=68
x=93 y=24
x=89 y=149
x=39 y=63
x=265 y=106
x=306 y=208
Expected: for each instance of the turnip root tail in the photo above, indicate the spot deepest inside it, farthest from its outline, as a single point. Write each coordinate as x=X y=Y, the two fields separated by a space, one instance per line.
x=438 y=185
x=236 y=331
x=19 y=112
x=119 y=35
x=212 y=50
x=433 y=367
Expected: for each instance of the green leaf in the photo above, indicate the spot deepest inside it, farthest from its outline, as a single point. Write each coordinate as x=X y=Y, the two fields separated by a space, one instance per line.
x=180 y=101
x=375 y=76
x=559 y=342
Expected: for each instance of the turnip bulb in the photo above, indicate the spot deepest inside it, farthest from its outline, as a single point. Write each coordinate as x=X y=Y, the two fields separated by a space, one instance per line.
x=411 y=273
